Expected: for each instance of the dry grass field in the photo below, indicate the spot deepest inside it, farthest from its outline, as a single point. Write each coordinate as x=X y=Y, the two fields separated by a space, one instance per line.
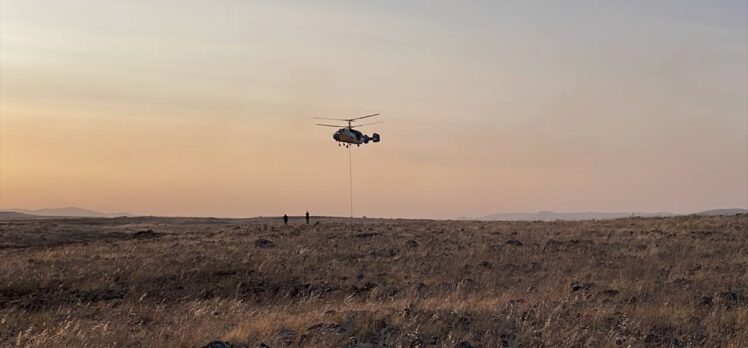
x=163 y=282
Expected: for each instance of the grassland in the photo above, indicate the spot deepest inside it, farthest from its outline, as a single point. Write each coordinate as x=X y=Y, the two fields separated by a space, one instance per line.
x=155 y=282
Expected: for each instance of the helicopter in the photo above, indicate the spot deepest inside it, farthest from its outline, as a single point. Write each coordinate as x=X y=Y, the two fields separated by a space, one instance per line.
x=347 y=136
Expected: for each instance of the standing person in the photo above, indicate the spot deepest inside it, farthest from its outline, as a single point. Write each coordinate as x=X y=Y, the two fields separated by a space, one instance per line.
x=285 y=219
x=307 y=217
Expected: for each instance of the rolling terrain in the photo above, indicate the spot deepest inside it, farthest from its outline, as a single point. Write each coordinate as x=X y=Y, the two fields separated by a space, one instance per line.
x=64 y=212
x=145 y=282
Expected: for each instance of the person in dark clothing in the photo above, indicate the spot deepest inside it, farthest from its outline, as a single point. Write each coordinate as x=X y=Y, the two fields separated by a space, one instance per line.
x=285 y=219
x=307 y=218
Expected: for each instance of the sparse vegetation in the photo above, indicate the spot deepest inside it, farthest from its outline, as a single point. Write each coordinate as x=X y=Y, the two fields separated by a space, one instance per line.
x=150 y=282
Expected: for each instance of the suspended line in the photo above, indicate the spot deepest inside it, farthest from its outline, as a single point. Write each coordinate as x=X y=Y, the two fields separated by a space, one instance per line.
x=350 y=177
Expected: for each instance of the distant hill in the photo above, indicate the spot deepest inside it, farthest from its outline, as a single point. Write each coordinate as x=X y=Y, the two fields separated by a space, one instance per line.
x=552 y=216
x=67 y=212
x=714 y=212
x=12 y=215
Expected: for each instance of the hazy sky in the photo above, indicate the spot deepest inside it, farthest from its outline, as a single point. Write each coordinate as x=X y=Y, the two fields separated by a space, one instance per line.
x=205 y=107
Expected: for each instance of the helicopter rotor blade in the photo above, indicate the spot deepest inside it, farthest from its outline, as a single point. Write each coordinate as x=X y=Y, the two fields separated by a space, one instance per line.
x=362 y=117
x=346 y=119
x=367 y=124
x=330 y=125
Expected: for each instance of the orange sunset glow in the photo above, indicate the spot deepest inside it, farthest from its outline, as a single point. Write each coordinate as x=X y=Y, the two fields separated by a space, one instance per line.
x=159 y=108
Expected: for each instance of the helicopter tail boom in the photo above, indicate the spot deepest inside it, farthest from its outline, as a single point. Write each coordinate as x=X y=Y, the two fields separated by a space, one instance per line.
x=374 y=137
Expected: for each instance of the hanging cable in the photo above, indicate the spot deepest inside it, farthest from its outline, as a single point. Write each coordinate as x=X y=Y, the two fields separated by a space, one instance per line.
x=350 y=177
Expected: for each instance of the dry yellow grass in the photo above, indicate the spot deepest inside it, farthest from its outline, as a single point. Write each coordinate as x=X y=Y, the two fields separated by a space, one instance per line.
x=398 y=283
